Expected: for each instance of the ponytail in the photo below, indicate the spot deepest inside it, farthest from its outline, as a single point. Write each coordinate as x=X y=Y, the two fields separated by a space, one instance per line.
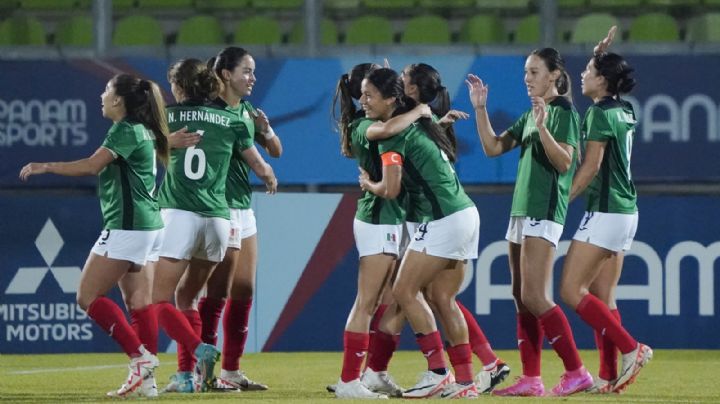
x=347 y=114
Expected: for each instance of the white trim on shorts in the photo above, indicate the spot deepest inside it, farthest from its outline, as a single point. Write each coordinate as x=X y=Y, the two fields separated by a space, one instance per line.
x=455 y=236
x=191 y=235
x=136 y=246
x=520 y=227
x=242 y=226
x=374 y=239
x=611 y=231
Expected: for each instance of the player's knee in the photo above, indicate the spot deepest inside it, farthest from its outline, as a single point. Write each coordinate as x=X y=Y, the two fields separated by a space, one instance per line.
x=84 y=301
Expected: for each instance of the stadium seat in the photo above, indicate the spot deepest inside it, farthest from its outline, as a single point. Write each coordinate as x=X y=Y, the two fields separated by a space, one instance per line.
x=22 y=30
x=278 y=4
x=483 y=29
x=200 y=30
x=222 y=5
x=673 y=3
x=138 y=30
x=328 y=33
x=614 y=4
x=446 y=4
x=258 y=30
x=705 y=28
x=654 y=27
x=571 y=4
x=426 y=29
x=50 y=5
x=389 y=5
x=123 y=5
x=592 y=27
x=503 y=5
x=528 y=30
x=340 y=5
x=76 y=31
x=369 y=30
x=169 y=5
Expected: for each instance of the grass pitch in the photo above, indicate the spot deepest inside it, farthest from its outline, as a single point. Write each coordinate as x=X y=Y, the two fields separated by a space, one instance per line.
x=673 y=376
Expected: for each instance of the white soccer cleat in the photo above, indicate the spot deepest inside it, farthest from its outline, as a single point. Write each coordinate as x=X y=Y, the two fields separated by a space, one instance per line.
x=457 y=390
x=356 y=389
x=429 y=385
x=632 y=363
x=381 y=382
x=141 y=368
x=486 y=380
x=600 y=386
x=148 y=388
x=236 y=380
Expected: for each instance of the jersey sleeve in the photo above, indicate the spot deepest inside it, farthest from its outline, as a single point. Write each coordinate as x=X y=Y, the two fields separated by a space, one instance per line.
x=516 y=130
x=597 y=126
x=121 y=140
x=245 y=139
x=394 y=144
x=565 y=126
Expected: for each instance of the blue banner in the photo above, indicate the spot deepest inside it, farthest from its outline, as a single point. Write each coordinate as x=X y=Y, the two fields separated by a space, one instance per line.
x=50 y=111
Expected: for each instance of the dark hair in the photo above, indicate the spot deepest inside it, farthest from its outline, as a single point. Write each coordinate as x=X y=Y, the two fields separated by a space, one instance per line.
x=347 y=90
x=616 y=72
x=388 y=83
x=197 y=82
x=432 y=92
x=228 y=59
x=554 y=62
x=144 y=104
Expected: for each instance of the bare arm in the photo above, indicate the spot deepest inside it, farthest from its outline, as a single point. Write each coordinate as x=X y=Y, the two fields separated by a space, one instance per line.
x=262 y=169
x=181 y=139
x=559 y=154
x=393 y=126
x=265 y=135
x=87 y=166
x=492 y=144
x=594 y=152
x=390 y=185
x=452 y=116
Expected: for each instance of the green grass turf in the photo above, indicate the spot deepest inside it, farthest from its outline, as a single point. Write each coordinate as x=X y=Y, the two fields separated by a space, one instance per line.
x=673 y=376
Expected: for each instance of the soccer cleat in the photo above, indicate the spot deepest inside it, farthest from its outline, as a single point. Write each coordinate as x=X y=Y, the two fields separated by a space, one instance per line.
x=355 y=389
x=524 y=386
x=148 y=388
x=206 y=355
x=601 y=386
x=236 y=380
x=457 y=390
x=141 y=368
x=181 y=382
x=429 y=385
x=486 y=380
x=572 y=382
x=381 y=382
x=632 y=363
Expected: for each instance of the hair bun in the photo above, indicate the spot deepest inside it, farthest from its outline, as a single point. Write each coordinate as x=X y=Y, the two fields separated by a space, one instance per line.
x=144 y=85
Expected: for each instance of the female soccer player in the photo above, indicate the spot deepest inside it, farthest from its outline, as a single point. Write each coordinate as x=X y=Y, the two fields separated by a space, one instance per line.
x=548 y=136
x=611 y=216
x=446 y=238
x=126 y=168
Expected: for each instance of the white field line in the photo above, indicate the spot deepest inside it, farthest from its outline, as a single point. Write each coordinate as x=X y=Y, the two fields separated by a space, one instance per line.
x=55 y=370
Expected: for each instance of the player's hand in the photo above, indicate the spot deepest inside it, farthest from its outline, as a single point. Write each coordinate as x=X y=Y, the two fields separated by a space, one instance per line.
x=538 y=109
x=262 y=123
x=604 y=44
x=452 y=116
x=424 y=110
x=32 y=169
x=271 y=186
x=364 y=179
x=478 y=91
x=181 y=139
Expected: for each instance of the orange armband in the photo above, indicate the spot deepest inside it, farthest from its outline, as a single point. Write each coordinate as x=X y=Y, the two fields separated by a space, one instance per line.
x=391 y=159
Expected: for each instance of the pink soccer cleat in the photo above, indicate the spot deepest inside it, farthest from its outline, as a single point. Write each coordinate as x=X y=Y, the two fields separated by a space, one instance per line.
x=573 y=382
x=524 y=386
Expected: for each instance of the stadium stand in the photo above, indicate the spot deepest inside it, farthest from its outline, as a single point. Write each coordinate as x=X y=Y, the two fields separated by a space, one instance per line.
x=22 y=30
x=528 y=30
x=426 y=29
x=328 y=33
x=483 y=29
x=138 y=30
x=200 y=30
x=258 y=30
x=654 y=27
x=369 y=30
x=705 y=28
x=590 y=27
x=76 y=31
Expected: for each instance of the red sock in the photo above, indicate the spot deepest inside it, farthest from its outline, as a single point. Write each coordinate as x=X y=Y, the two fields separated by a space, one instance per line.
x=381 y=349
x=478 y=342
x=375 y=322
x=176 y=325
x=144 y=322
x=608 y=353
x=461 y=359
x=210 y=309
x=235 y=328
x=355 y=346
x=598 y=316
x=186 y=357
x=530 y=338
x=432 y=348
x=558 y=333
x=110 y=317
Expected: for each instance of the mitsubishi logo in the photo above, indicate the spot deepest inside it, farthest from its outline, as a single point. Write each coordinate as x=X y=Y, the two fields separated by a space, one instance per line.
x=28 y=279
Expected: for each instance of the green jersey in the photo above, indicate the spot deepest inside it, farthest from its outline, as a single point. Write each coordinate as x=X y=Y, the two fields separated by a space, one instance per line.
x=195 y=178
x=238 y=191
x=612 y=190
x=372 y=208
x=541 y=192
x=126 y=186
x=429 y=178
